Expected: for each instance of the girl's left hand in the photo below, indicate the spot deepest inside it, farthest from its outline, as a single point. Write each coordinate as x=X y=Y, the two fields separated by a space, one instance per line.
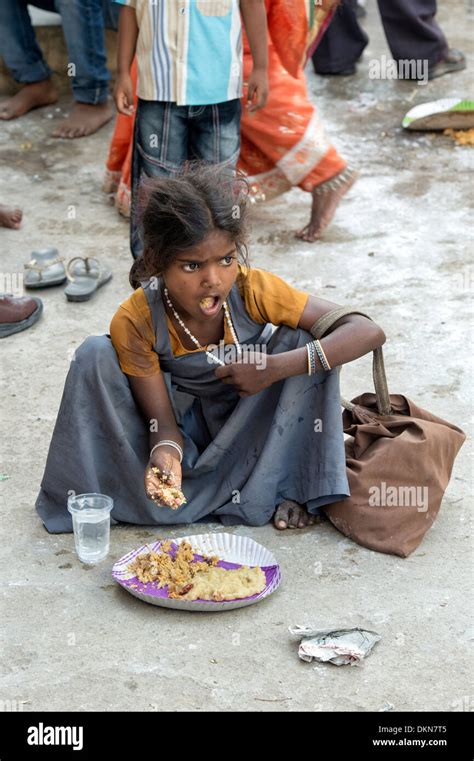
x=255 y=372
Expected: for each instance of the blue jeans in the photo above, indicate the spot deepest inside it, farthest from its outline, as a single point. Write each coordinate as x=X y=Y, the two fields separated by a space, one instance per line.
x=83 y=27
x=167 y=135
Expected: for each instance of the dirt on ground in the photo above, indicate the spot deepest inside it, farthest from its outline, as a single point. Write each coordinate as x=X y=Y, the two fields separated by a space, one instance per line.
x=400 y=249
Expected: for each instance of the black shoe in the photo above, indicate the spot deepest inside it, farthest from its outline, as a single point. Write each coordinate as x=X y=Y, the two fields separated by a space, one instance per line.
x=454 y=60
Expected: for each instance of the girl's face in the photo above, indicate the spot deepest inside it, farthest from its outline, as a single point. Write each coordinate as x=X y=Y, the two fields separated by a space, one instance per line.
x=199 y=279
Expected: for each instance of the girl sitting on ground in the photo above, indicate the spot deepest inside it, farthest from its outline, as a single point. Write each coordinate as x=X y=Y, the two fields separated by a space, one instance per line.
x=196 y=389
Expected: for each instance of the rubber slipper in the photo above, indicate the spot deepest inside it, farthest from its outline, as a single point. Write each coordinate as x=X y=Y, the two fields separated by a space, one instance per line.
x=447 y=113
x=45 y=269
x=11 y=307
x=85 y=276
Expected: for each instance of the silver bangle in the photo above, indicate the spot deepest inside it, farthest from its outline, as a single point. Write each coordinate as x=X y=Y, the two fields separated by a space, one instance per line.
x=169 y=443
x=321 y=355
x=311 y=358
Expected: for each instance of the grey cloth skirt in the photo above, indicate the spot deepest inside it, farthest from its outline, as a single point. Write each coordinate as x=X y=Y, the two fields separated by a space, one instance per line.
x=241 y=459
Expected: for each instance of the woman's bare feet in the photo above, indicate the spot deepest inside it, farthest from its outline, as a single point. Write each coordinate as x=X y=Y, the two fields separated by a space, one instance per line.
x=326 y=199
x=29 y=97
x=10 y=217
x=292 y=515
x=84 y=119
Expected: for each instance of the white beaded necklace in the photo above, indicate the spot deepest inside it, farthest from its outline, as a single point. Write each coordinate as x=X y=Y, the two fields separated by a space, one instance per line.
x=194 y=339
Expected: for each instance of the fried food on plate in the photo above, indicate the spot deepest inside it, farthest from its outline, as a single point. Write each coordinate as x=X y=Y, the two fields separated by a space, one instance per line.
x=190 y=579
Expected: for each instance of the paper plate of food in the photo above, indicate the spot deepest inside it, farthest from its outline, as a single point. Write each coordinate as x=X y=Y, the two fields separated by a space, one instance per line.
x=206 y=572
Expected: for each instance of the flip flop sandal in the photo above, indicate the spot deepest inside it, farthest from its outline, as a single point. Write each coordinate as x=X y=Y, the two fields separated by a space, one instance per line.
x=45 y=269
x=8 y=328
x=85 y=276
x=447 y=113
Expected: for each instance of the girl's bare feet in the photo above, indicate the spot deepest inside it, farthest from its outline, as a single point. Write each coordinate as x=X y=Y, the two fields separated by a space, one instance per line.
x=292 y=515
x=10 y=217
x=326 y=199
x=30 y=96
x=84 y=119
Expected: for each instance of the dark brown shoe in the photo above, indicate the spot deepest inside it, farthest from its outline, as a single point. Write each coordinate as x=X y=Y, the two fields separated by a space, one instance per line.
x=18 y=313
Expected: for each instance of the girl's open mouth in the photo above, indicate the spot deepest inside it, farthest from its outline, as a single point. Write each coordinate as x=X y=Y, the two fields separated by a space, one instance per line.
x=210 y=305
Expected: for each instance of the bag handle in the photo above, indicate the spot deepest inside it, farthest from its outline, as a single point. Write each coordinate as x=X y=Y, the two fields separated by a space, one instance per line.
x=321 y=327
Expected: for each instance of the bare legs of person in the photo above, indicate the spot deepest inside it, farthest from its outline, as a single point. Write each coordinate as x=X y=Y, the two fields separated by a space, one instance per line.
x=290 y=514
x=29 y=97
x=326 y=198
x=10 y=216
x=84 y=119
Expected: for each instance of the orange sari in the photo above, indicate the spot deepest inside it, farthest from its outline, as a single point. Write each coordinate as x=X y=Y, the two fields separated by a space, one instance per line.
x=282 y=144
x=118 y=168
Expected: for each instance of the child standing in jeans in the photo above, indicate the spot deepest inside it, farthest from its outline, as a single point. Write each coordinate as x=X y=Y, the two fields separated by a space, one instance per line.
x=189 y=55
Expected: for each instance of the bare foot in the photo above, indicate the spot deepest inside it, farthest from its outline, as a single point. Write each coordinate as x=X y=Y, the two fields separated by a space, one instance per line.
x=10 y=217
x=85 y=119
x=292 y=515
x=325 y=202
x=30 y=96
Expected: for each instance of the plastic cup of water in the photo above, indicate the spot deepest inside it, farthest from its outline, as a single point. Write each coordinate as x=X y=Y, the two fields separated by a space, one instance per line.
x=91 y=524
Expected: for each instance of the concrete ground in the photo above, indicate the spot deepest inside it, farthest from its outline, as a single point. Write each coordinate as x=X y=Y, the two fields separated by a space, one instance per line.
x=399 y=248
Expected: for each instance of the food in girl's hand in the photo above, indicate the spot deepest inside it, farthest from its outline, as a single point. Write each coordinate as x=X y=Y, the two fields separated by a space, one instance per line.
x=188 y=578
x=165 y=493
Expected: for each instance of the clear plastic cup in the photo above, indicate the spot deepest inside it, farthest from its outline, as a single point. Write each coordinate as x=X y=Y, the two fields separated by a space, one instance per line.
x=91 y=524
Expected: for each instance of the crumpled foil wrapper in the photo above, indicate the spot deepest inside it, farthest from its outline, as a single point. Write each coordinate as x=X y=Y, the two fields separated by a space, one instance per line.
x=339 y=646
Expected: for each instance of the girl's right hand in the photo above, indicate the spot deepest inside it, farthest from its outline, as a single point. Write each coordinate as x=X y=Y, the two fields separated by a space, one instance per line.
x=123 y=95
x=157 y=485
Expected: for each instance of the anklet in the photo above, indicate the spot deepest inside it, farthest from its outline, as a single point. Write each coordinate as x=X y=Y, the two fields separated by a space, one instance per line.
x=335 y=182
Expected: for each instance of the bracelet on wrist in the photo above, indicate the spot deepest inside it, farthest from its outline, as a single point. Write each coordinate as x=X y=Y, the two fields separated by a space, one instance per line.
x=169 y=443
x=314 y=349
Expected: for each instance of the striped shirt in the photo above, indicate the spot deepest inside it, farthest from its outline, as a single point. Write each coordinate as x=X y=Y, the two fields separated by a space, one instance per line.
x=189 y=52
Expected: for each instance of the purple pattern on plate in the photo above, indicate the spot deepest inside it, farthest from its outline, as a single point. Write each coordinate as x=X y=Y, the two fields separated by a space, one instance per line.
x=150 y=588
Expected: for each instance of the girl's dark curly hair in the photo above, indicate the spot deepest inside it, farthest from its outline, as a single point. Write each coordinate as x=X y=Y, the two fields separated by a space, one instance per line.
x=179 y=212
